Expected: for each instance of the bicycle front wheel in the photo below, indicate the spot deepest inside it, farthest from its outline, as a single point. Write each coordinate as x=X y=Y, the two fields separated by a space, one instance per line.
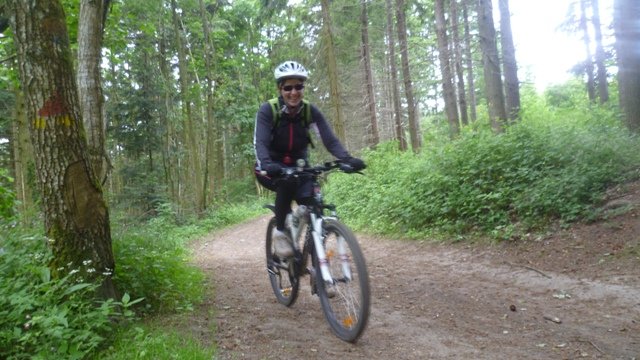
x=285 y=281
x=346 y=301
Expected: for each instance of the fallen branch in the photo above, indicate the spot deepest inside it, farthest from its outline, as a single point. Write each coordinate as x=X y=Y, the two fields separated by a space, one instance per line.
x=592 y=344
x=552 y=319
x=529 y=268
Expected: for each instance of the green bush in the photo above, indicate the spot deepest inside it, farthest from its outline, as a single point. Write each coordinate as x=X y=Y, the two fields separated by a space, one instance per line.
x=7 y=196
x=45 y=318
x=550 y=165
x=152 y=260
x=150 y=266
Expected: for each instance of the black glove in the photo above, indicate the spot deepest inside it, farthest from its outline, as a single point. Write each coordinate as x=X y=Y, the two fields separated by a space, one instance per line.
x=273 y=169
x=355 y=163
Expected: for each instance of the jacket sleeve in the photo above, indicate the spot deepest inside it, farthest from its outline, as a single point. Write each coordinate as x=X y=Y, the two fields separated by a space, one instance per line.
x=329 y=139
x=262 y=135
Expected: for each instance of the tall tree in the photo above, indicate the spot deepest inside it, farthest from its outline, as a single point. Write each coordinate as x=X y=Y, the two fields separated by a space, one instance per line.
x=491 y=65
x=368 y=74
x=471 y=86
x=90 y=34
x=457 y=58
x=22 y=155
x=449 y=94
x=397 y=114
x=210 y=149
x=511 y=82
x=334 y=85
x=412 y=107
x=627 y=32
x=603 y=83
x=189 y=113
x=75 y=212
x=588 y=62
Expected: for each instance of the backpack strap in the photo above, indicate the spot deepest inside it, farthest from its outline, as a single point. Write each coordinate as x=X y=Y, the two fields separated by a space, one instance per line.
x=306 y=117
x=275 y=110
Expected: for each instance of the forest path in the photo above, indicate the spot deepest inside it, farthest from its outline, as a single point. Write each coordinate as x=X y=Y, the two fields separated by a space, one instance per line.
x=429 y=301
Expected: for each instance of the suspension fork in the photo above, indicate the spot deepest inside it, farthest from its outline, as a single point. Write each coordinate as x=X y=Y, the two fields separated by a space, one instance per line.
x=316 y=223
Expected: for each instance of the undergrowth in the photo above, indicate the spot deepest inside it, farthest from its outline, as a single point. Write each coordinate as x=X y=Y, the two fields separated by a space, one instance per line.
x=549 y=166
x=46 y=318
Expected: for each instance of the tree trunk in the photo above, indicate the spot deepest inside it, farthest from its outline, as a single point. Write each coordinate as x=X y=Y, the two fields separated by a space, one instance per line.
x=210 y=133
x=366 y=61
x=625 y=19
x=491 y=65
x=75 y=213
x=469 y=61
x=22 y=157
x=445 y=67
x=402 y=141
x=412 y=108
x=511 y=82
x=603 y=83
x=334 y=86
x=195 y=172
x=169 y=153
x=90 y=30
x=588 y=62
x=457 y=58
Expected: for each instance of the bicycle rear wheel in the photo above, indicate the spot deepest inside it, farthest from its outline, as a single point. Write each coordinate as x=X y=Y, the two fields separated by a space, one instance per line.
x=282 y=275
x=347 y=310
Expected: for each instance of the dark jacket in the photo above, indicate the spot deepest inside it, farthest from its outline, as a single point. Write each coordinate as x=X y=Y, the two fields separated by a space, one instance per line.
x=290 y=140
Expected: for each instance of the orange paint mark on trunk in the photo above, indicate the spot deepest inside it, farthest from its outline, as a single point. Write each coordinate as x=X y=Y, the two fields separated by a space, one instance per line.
x=54 y=106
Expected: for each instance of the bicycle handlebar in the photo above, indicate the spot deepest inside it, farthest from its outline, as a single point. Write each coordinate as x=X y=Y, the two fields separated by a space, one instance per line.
x=316 y=170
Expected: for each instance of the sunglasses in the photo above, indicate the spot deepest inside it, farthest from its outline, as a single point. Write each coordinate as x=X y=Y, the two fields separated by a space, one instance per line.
x=288 y=88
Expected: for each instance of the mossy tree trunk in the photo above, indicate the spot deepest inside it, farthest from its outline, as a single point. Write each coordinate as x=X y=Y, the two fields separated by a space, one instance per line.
x=75 y=212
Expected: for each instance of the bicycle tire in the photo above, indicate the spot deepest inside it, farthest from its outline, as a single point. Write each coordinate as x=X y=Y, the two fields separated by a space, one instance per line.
x=348 y=311
x=282 y=276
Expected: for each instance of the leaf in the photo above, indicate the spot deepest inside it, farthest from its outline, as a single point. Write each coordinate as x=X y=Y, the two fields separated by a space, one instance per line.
x=75 y=288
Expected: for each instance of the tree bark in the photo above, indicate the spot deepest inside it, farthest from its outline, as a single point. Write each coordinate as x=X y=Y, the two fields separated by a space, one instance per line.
x=90 y=33
x=412 y=108
x=588 y=62
x=627 y=31
x=491 y=65
x=76 y=215
x=601 y=69
x=445 y=68
x=402 y=140
x=511 y=82
x=366 y=61
x=334 y=86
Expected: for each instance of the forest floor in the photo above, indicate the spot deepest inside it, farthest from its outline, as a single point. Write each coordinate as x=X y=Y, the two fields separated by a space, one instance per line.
x=573 y=293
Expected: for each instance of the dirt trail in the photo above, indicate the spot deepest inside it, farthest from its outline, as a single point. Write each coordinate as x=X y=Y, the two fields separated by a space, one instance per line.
x=436 y=301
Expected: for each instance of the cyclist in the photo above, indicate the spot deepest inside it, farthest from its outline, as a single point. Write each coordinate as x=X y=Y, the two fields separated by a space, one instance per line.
x=281 y=137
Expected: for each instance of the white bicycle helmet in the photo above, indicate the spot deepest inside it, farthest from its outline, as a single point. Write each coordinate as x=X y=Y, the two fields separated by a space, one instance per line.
x=289 y=70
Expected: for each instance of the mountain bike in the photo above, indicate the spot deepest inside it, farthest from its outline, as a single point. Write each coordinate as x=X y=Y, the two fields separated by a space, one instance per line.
x=326 y=250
